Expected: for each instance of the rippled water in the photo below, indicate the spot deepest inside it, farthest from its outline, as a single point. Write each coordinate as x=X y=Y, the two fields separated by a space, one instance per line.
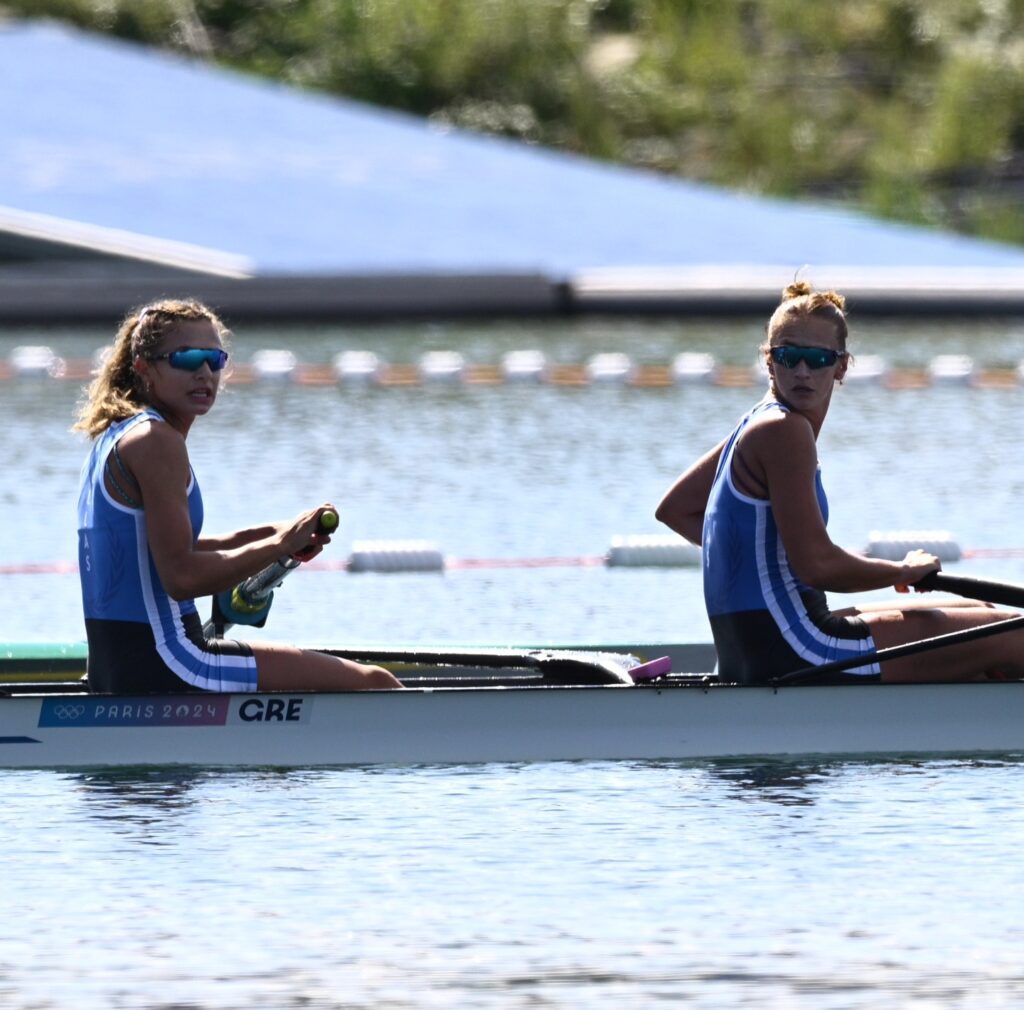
x=826 y=886
x=838 y=885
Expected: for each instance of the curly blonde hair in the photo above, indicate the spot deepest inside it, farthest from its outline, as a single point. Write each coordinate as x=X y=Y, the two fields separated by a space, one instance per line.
x=117 y=391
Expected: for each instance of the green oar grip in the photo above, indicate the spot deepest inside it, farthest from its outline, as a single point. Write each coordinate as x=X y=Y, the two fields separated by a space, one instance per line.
x=241 y=605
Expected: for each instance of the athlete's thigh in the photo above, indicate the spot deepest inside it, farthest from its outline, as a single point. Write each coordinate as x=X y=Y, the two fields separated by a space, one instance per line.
x=950 y=662
x=921 y=603
x=288 y=668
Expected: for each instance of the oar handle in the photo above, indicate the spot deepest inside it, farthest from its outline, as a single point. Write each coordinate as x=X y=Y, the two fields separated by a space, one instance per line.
x=1005 y=593
x=253 y=592
x=249 y=601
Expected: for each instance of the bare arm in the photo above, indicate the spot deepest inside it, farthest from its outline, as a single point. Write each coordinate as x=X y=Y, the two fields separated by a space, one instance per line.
x=237 y=538
x=156 y=455
x=683 y=506
x=783 y=446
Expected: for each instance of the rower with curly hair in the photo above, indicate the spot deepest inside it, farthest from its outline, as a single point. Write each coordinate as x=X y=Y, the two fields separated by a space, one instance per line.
x=142 y=555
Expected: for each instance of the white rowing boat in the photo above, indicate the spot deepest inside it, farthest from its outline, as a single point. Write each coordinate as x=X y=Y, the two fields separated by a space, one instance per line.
x=481 y=705
x=488 y=707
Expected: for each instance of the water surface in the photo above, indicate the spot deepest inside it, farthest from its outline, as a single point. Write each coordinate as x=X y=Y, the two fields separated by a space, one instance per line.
x=821 y=885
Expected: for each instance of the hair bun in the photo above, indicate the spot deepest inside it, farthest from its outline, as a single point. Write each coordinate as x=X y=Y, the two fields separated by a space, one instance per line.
x=796 y=290
x=801 y=289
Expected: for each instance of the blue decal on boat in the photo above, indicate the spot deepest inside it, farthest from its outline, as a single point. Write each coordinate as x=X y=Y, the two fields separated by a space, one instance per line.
x=178 y=710
x=19 y=739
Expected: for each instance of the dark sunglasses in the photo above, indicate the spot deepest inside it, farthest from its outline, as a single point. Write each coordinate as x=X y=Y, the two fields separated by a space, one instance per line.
x=191 y=359
x=812 y=357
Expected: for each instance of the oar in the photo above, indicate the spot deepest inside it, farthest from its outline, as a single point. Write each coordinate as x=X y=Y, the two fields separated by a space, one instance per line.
x=556 y=666
x=249 y=601
x=907 y=649
x=1005 y=593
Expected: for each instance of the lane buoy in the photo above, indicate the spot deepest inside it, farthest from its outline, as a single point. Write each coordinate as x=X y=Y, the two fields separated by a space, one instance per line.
x=893 y=545
x=652 y=550
x=274 y=364
x=610 y=367
x=395 y=556
x=524 y=366
x=867 y=368
x=36 y=361
x=357 y=367
x=442 y=366
x=694 y=367
x=952 y=369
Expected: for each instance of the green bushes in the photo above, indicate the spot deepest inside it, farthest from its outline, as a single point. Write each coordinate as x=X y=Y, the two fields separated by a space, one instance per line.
x=908 y=108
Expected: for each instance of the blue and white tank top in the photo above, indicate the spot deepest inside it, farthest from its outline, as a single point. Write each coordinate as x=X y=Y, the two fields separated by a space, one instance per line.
x=119 y=579
x=745 y=563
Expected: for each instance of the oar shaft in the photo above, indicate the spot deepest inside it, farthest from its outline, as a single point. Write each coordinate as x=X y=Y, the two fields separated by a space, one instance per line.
x=255 y=589
x=1004 y=593
x=556 y=666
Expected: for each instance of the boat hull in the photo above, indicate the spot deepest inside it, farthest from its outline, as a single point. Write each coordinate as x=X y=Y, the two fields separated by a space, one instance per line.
x=509 y=724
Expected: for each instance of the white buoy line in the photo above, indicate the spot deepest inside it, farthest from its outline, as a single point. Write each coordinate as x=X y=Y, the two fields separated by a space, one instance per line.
x=652 y=550
x=644 y=550
x=355 y=367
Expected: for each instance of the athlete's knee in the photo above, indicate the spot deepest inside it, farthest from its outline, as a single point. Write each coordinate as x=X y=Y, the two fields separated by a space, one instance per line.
x=377 y=678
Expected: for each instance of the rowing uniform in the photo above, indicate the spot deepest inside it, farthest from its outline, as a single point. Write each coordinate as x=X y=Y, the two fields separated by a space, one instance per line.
x=140 y=639
x=765 y=621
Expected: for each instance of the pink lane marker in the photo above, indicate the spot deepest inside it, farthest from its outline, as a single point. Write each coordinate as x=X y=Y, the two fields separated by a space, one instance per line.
x=652 y=669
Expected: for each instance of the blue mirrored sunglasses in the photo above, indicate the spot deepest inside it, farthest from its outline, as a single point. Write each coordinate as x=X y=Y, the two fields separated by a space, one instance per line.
x=191 y=359
x=812 y=357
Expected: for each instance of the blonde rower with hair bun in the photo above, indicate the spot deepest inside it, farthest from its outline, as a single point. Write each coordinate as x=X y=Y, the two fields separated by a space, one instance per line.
x=142 y=555
x=757 y=506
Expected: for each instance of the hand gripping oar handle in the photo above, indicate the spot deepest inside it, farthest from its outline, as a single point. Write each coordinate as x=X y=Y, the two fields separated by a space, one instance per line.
x=254 y=591
x=1005 y=593
x=253 y=595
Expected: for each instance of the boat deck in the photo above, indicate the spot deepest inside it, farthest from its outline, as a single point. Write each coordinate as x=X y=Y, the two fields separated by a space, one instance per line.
x=27 y=663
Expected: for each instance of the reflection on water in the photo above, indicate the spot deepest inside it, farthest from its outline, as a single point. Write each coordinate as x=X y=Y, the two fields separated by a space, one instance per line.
x=139 y=797
x=776 y=782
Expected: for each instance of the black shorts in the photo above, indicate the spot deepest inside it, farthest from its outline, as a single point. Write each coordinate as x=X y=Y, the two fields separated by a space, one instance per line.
x=123 y=657
x=753 y=650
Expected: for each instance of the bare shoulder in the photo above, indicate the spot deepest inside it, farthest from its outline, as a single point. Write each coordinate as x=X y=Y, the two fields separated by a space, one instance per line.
x=150 y=443
x=779 y=432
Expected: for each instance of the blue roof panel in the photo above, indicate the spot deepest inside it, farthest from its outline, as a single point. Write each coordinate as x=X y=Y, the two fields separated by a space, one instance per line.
x=117 y=135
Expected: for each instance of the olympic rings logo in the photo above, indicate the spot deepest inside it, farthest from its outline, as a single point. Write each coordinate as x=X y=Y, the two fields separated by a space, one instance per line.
x=69 y=712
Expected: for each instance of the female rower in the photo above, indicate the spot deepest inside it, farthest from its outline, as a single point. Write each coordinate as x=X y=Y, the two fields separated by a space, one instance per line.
x=141 y=556
x=755 y=503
